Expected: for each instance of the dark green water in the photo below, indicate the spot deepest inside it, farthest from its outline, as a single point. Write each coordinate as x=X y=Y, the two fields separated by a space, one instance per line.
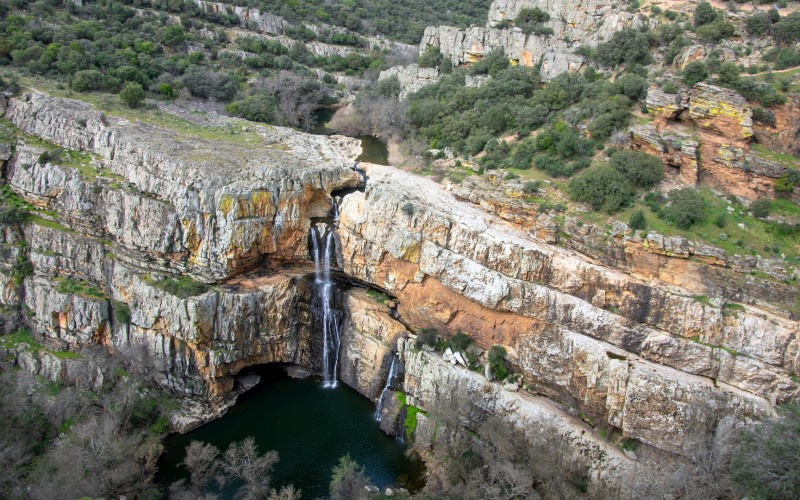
x=373 y=149
x=310 y=428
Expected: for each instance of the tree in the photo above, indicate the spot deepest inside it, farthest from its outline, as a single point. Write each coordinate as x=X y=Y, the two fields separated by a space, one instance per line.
x=602 y=187
x=704 y=13
x=766 y=460
x=531 y=21
x=202 y=462
x=686 y=208
x=348 y=480
x=642 y=169
x=694 y=72
x=132 y=95
x=242 y=461
x=637 y=221
x=787 y=30
x=759 y=24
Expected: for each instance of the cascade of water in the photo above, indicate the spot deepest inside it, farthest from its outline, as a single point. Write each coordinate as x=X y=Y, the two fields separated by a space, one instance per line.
x=322 y=247
x=391 y=379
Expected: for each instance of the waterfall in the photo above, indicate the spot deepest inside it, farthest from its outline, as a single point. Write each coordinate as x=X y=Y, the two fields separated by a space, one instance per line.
x=322 y=247
x=391 y=378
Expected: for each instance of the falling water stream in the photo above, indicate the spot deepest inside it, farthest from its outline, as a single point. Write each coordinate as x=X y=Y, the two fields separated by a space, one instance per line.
x=323 y=243
x=391 y=379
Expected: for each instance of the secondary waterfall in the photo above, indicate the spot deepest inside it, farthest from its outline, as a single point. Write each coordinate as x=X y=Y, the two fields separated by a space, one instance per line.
x=322 y=247
x=391 y=379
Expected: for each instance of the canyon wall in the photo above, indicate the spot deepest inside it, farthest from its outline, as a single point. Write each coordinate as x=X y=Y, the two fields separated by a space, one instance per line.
x=191 y=243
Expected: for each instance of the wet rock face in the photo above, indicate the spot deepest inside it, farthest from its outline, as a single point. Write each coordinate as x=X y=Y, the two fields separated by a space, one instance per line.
x=574 y=23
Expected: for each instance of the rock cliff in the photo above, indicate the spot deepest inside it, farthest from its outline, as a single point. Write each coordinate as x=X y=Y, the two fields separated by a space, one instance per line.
x=574 y=23
x=191 y=243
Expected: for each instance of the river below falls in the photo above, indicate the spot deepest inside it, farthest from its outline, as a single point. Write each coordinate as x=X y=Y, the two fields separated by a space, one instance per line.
x=310 y=427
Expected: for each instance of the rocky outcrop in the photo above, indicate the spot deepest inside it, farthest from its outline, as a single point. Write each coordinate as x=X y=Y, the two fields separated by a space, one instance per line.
x=573 y=23
x=719 y=155
x=176 y=202
x=566 y=321
x=411 y=77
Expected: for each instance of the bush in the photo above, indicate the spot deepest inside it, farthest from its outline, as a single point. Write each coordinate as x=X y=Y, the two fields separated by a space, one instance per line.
x=766 y=459
x=632 y=85
x=122 y=313
x=686 y=208
x=704 y=14
x=694 y=72
x=491 y=64
x=670 y=88
x=628 y=46
x=715 y=31
x=531 y=21
x=761 y=208
x=132 y=95
x=531 y=187
x=642 y=169
x=498 y=362
x=765 y=116
x=431 y=58
x=602 y=187
x=13 y=215
x=204 y=83
x=721 y=220
x=427 y=336
x=459 y=342
x=787 y=30
x=257 y=107
x=637 y=221
x=759 y=24
x=183 y=287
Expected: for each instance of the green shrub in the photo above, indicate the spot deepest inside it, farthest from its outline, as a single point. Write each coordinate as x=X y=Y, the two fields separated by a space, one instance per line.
x=13 y=215
x=348 y=480
x=721 y=220
x=670 y=88
x=765 y=116
x=498 y=362
x=704 y=14
x=132 y=95
x=531 y=187
x=602 y=187
x=787 y=30
x=694 y=72
x=431 y=58
x=428 y=337
x=491 y=64
x=460 y=341
x=183 y=287
x=637 y=221
x=641 y=169
x=759 y=24
x=122 y=313
x=686 y=208
x=761 y=208
x=766 y=459
x=531 y=21
x=627 y=46
x=407 y=209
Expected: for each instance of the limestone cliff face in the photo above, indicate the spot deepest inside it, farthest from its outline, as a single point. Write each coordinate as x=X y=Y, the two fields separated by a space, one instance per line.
x=153 y=203
x=212 y=208
x=643 y=356
x=574 y=23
